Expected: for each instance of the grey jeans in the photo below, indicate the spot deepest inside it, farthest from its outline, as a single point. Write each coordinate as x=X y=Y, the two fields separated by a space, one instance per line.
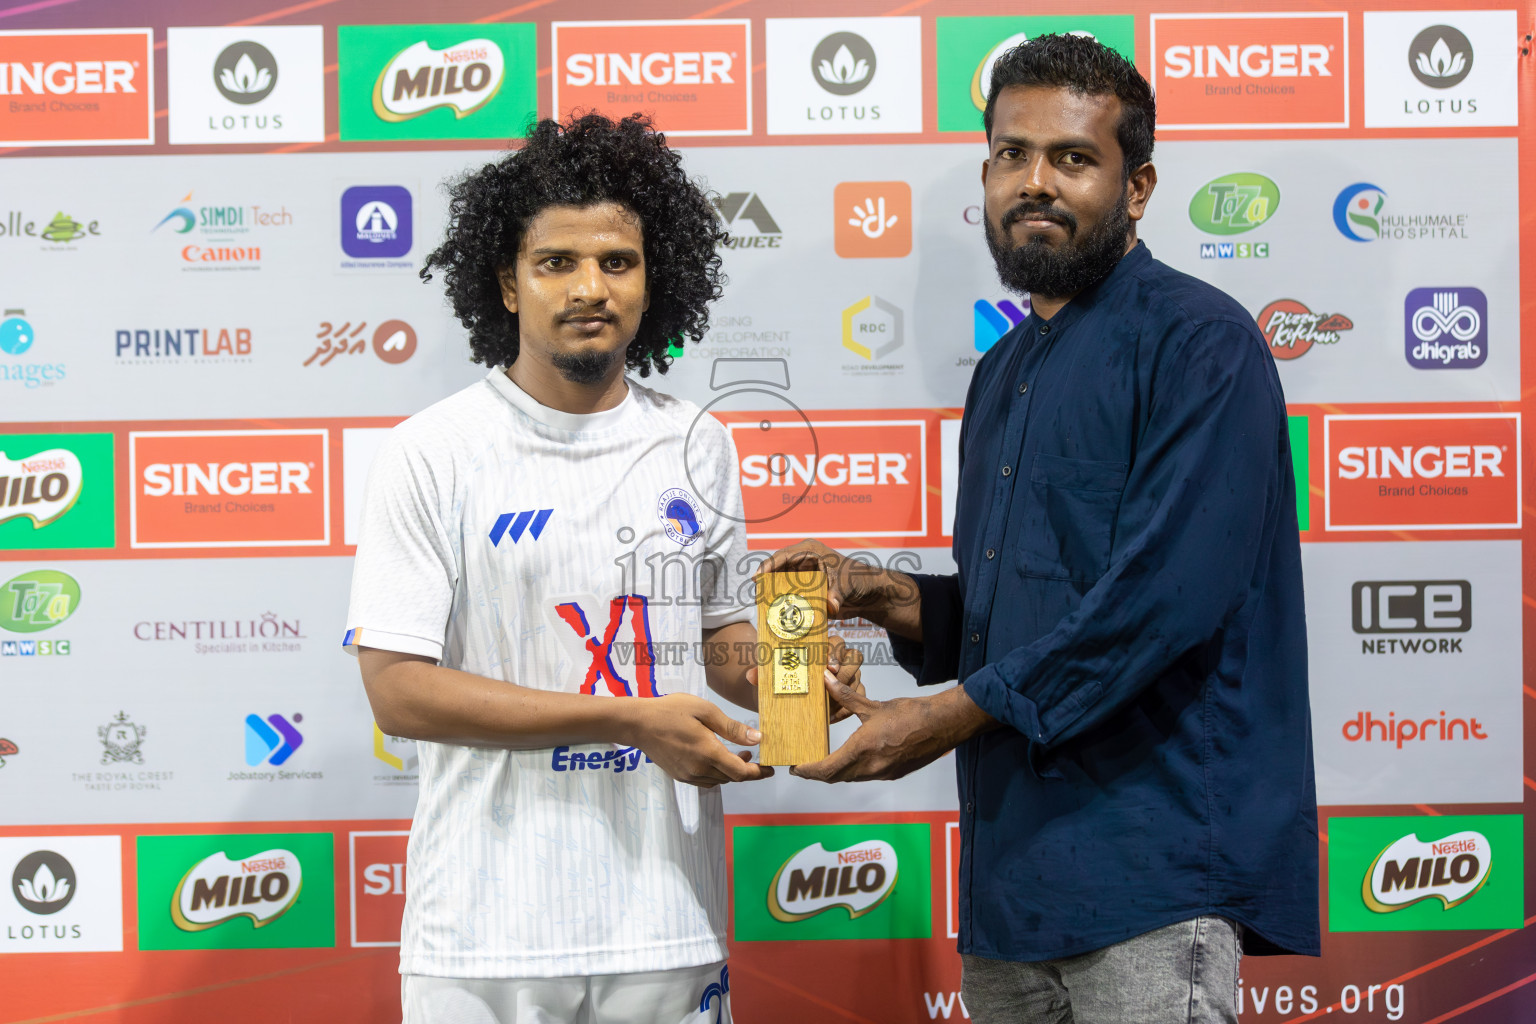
x=1185 y=973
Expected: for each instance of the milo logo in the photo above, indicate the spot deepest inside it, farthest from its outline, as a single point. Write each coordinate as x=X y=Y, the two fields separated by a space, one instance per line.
x=1410 y=870
x=41 y=487
x=1234 y=203
x=38 y=600
x=464 y=77
x=261 y=887
x=814 y=879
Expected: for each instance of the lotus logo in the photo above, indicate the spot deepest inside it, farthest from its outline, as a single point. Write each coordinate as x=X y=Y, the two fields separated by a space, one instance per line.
x=843 y=63
x=463 y=78
x=1234 y=203
x=44 y=882
x=262 y=887
x=40 y=487
x=1440 y=57
x=245 y=72
x=1357 y=212
x=858 y=878
x=1410 y=871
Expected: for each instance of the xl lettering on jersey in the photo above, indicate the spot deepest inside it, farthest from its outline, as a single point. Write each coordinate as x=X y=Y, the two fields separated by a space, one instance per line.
x=693 y=77
x=637 y=654
x=1238 y=71
x=1422 y=471
x=77 y=88
x=229 y=488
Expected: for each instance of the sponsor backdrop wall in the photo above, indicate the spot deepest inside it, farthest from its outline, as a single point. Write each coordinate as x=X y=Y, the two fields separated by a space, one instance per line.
x=209 y=237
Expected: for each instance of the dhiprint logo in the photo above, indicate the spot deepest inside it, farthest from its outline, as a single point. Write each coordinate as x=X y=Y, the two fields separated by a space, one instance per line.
x=1357 y=211
x=273 y=740
x=679 y=515
x=394 y=341
x=262 y=887
x=602 y=652
x=1366 y=727
x=77 y=87
x=1440 y=57
x=245 y=72
x=736 y=209
x=833 y=75
x=1292 y=329
x=43 y=882
x=843 y=63
x=121 y=739
x=376 y=221
x=1234 y=204
x=993 y=320
x=872 y=219
x=512 y=524
x=1447 y=328
x=38 y=600
x=815 y=880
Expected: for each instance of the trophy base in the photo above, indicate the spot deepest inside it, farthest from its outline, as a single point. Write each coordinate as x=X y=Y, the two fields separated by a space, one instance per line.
x=791 y=698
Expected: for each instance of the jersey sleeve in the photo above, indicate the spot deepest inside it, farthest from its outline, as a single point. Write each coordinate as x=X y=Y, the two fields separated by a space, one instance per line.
x=406 y=568
x=731 y=599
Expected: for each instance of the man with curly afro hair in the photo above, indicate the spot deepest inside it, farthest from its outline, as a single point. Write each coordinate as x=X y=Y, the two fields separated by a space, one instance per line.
x=551 y=569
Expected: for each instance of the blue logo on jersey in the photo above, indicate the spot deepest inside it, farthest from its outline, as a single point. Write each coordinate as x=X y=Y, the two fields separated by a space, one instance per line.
x=512 y=524
x=717 y=993
x=679 y=515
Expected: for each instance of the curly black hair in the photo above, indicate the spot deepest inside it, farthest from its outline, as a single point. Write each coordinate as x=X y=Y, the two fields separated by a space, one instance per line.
x=1088 y=67
x=581 y=162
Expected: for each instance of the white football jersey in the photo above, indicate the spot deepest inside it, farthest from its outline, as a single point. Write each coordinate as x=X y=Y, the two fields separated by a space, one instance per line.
x=579 y=553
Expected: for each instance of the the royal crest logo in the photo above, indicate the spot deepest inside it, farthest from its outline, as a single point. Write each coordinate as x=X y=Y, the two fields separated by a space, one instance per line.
x=1292 y=329
x=679 y=515
x=1411 y=870
x=41 y=487
x=120 y=740
x=262 y=887
x=463 y=78
x=815 y=879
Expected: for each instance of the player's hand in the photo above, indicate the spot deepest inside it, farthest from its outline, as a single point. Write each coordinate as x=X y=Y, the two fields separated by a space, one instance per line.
x=681 y=733
x=854 y=587
x=843 y=664
x=896 y=737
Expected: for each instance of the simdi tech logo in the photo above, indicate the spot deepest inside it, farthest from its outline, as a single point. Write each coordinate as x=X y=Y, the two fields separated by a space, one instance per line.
x=692 y=77
x=229 y=488
x=246 y=84
x=968 y=47
x=1425 y=873
x=1422 y=471
x=813 y=882
x=253 y=891
x=844 y=75
x=436 y=81
x=56 y=491
x=1247 y=71
x=1440 y=69
x=77 y=87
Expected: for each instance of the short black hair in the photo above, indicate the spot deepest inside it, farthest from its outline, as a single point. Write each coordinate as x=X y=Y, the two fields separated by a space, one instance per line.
x=1088 y=67
x=581 y=162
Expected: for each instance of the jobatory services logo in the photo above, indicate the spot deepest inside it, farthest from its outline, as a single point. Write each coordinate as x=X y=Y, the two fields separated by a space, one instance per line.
x=1446 y=328
x=1291 y=328
x=968 y=47
x=693 y=77
x=844 y=75
x=814 y=882
x=1425 y=874
x=65 y=894
x=1249 y=71
x=17 y=338
x=992 y=320
x=252 y=891
x=1439 y=69
x=1422 y=471
x=392 y=342
x=436 y=81
x=77 y=87
x=272 y=740
x=746 y=218
x=872 y=219
x=229 y=488
x=246 y=84
x=56 y=491
x=1362 y=213
x=376 y=223
x=377 y=861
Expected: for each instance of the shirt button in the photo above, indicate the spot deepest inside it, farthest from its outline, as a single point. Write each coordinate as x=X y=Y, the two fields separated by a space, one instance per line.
x=1045 y=328
x=1007 y=470
x=991 y=553
x=969 y=807
x=975 y=638
x=1023 y=388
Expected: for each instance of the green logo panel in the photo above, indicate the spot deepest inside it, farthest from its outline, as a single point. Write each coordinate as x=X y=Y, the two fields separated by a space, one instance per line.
x=1416 y=874
x=38 y=600
x=1234 y=203
x=1301 y=464
x=261 y=891
x=67 y=501
x=437 y=81
x=806 y=882
x=967 y=47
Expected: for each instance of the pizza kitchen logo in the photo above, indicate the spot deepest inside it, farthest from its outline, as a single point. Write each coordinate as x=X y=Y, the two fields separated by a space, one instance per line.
x=814 y=880
x=1291 y=328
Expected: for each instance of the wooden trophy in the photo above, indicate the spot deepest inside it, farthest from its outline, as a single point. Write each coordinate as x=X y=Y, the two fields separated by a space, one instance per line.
x=791 y=697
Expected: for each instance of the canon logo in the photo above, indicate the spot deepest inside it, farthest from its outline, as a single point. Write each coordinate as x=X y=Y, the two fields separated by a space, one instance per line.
x=64 y=78
x=185 y=478
x=1277 y=60
x=833 y=470
x=1428 y=461
x=705 y=67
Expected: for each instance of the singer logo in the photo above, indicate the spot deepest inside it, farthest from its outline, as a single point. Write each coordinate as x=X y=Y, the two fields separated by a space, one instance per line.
x=378 y=887
x=816 y=879
x=229 y=488
x=693 y=77
x=1240 y=71
x=833 y=478
x=77 y=88
x=1422 y=471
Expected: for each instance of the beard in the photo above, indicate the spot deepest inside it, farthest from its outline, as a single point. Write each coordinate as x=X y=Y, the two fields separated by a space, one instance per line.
x=585 y=367
x=1035 y=267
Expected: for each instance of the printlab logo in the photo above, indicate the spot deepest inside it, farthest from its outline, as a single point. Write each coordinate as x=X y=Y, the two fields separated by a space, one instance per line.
x=1292 y=329
x=1447 y=328
x=843 y=63
x=272 y=740
x=43 y=882
x=245 y=72
x=1440 y=57
x=993 y=320
x=376 y=221
x=393 y=341
x=121 y=739
x=738 y=209
x=872 y=219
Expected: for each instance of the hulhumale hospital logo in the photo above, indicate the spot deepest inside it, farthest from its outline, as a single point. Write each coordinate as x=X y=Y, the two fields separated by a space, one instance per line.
x=1357 y=211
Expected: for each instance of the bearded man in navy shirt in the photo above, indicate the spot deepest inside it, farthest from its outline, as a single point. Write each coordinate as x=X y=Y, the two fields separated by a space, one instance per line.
x=1131 y=728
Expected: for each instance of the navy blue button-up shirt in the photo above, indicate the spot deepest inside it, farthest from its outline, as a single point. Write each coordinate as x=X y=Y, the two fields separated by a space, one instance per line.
x=1129 y=606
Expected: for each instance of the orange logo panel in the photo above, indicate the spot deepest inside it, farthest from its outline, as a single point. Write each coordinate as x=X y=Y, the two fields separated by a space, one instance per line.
x=77 y=88
x=1424 y=472
x=872 y=218
x=832 y=478
x=378 y=887
x=235 y=488
x=692 y=77
x=1266 y=71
